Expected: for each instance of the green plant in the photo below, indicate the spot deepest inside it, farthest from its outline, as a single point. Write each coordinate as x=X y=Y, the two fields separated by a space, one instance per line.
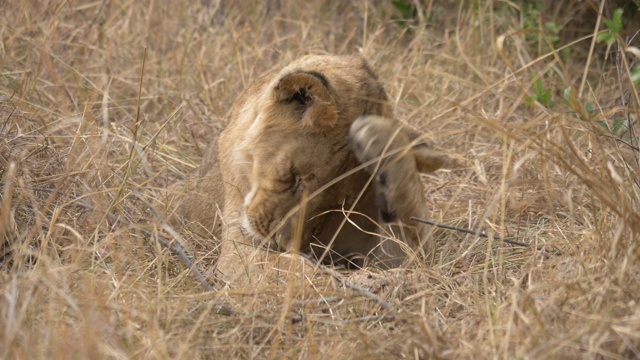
x=635 y=71
x=545 y=36
x=618 y=127
x=635 y=74
x=615 y=25
x=584 y=111
x=540 y=94
x=407 y=12
x=610 y=36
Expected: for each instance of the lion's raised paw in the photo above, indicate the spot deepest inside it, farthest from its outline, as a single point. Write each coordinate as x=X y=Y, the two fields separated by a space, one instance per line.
x=394 y=159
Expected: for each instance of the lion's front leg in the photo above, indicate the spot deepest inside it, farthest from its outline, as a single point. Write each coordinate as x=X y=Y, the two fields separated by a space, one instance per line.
x=244 y=261
x=395 y=163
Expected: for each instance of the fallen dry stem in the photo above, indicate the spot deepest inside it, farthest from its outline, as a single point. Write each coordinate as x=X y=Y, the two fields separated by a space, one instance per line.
x=469 y=231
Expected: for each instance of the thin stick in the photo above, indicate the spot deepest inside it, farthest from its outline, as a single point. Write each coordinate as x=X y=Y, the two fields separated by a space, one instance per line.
x=372 y=318
x=347 y=285
x=469 y=231
x=173 y=246
x=321 y=301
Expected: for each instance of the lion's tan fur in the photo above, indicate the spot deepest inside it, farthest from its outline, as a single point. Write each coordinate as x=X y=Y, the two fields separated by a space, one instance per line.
x=292 y=132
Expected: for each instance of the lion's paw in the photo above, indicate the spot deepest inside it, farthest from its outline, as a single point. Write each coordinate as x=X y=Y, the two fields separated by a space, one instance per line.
x=399 y=160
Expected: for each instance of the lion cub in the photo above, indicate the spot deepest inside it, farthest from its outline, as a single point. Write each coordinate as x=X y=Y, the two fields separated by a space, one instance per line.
x=312 y=160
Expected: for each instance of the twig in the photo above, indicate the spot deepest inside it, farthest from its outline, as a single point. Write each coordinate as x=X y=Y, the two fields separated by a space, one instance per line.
x=633 y=147
x=6 y=121
x=347 y=285
x=366 y=293
x=326 y=300
x=173 y=246
x=372 y=318
x=469 y=231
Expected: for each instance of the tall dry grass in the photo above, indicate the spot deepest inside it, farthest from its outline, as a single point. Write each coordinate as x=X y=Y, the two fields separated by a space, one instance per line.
x=86 y=134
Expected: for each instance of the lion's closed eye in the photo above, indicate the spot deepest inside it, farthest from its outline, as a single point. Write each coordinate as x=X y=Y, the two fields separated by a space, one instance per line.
x=290 y=179
x=295 y=179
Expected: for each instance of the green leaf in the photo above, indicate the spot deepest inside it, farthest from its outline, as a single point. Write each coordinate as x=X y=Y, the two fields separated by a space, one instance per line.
x=530 y=100
x=608 y=23
x=542 y=95
x=545 y=99
x=553 y=27
x=604 y=36
x=554 y=39
x=589 y=107
x=537 y=87
x=619 y=126
x=616 y=23
x=568 y=93
x=604 y=125
x=635 y=74
x=403 y=7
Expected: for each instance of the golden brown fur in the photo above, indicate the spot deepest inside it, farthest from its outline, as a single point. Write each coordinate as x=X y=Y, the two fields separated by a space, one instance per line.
x=290 y=134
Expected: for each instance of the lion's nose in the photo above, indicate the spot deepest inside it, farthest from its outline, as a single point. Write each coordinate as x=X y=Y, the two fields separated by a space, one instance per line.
x=260 y=223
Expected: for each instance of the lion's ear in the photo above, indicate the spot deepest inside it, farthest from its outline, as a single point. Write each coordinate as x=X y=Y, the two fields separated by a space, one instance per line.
x=309 y=90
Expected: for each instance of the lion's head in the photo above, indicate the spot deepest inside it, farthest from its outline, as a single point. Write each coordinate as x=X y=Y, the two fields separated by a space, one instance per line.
x=297 y=142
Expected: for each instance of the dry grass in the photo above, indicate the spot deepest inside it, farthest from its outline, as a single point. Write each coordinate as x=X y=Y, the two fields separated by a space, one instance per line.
x=75 y=283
